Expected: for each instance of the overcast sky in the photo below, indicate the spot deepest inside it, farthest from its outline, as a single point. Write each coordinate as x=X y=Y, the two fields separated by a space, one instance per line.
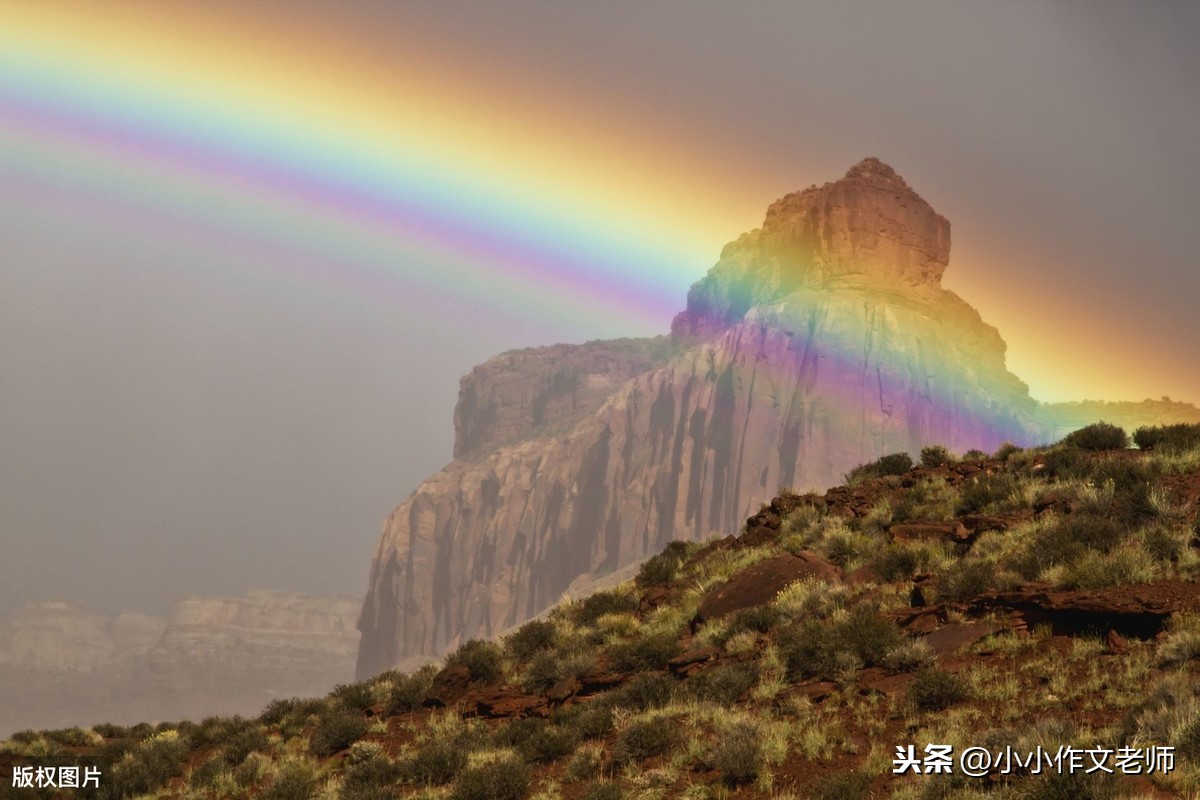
x=175 y=419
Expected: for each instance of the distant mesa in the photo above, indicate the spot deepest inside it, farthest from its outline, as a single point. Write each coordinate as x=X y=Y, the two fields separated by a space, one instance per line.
x=819 y=341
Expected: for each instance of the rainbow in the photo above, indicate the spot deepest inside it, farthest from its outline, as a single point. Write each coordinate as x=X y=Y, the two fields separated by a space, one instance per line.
x=170 y=122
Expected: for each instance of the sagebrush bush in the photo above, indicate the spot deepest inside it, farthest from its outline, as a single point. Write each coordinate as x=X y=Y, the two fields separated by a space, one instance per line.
x=1098 y=436
x=336 y=730
x=892 y=464
x=482 y=658
x=724 y=684
x=244 y=742
x=643 y=692
x=737 y=753
x=830 y=648
x=602 y=790
x=497 y=776
x=585 y=763
x=664 y=567
x=594 y=606
x=1179 y=437
x=354 y=696
x=645 y=737
x=530 y=639
x=648 y=652
x=536 y=739
x=408 y=692
x=150 y=764
x=934 y=456
x=842 y=786
x=966 y=580
x=986 y=493
x=935 y=690
x=1006 y=451
x=909 y=655
x=296 y=780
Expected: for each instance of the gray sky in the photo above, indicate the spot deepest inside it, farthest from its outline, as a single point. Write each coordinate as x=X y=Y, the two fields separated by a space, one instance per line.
x=175 y=419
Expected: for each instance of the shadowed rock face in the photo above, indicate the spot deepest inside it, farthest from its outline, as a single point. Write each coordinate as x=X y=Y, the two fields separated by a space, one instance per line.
x=818 y=342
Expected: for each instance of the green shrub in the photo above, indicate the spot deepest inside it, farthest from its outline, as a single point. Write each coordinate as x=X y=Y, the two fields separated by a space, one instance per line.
x=536 y=739
x=243 y=743
x=737 y=753
x=862 y=637
x=842 y=786
x=595 y=606
x=502 y=777
x=369 y=773
x=986 y=492
x=1068 y=786
x=897 y=562
x=664 y=567
x=652 y=651
x=760 y=619
x=1066 y=542
x=909 y=655
x=530 y=639
x=1006 y=451
x=216 y=731
x=482 y=658
x=1098 y=436
x=892 y=464
x=1168 y=437
x=724 y=684
x=934 y=456
x=591 y=721
x=206 y=772
x=354 y=696
x=935 y=690
x=408 y=692
x=602 y=790
x=336 y=730
x=974 y=455
x=650 y=736
x=149 y=764
x=966 y=580
x=297 y=780
x=643 y=692
x=295 y=708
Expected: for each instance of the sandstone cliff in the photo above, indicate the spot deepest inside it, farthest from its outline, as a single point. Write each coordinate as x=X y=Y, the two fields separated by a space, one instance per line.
x=819 y=341
x=61 y=665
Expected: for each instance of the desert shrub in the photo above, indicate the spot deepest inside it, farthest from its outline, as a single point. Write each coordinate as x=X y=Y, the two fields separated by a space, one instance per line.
x=1126 y=564
x=536 y=739
x=1065 y=462
x=252 y=770
x=1098 y=436
x=297 y=780
x=892 y=464
x=336 y=730
x=652 y=651
x=861 y=637
x=985 y=492
x=842 y=786
x=72 y=737
x=243 y=743
x=369 y=773
x=594 y=606
x=844 y=546
x=724 y=684
x=934 y=456
x=759 y=619
x=1168 y=437
x=966 y=580
x=354 y=696
x=643 y=738
x=1068 y=786
x=1067 y=541
x=408 y=692
x=974 y=455
x=1182 y=642
x=206 y=772
x=216 y=731
x=111 y=731
x=811 y=598
x=737 y=753
x=149 y=765
x=643 y=692
x=551 y=666
x=499 y=776
x=590 y=721
x=663 y=567
x=1006 y=451
x=935 y=690
x=909 y=655
x=530 y=639
x=482 y=658
x=279 y=711
x=602 y=790
x=1166 y=542
x=896 y=562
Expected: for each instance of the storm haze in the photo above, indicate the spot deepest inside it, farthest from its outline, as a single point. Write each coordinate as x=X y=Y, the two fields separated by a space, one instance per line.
x=211 y=396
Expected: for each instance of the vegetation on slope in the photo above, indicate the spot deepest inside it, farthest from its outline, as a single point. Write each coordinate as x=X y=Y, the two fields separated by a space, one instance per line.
x=1031 y=597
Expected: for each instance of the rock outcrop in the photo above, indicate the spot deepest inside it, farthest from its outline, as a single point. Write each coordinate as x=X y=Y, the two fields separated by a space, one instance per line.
x=817 y=342
x=61 y=665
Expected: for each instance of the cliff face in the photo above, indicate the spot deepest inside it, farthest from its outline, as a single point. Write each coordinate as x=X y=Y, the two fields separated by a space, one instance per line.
x=61 y=665
x=822 y=340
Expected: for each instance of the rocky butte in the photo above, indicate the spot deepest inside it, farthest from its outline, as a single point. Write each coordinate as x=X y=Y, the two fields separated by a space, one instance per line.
x=817 y=342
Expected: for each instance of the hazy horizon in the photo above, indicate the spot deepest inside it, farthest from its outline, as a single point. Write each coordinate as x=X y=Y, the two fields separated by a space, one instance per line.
x=222 y=372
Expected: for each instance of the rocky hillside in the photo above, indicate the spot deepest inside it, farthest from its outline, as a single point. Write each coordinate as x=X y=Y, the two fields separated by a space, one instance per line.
x=818 y=341
x=62 y=665
x=1040 y=601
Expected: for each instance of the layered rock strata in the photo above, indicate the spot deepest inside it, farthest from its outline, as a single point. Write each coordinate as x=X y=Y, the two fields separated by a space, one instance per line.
x=819 y=341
